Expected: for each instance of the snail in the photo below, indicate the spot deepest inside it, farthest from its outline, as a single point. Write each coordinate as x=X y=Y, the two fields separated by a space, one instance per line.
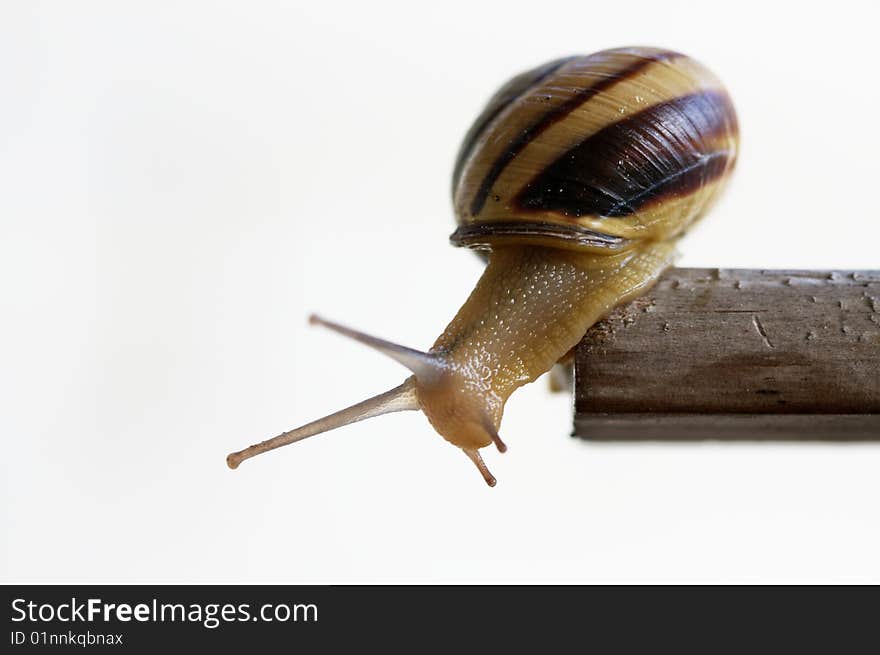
x=574 y=184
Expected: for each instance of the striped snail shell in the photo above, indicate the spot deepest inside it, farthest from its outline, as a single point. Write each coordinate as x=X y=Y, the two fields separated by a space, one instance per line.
x=574 y=182
x=626 y=143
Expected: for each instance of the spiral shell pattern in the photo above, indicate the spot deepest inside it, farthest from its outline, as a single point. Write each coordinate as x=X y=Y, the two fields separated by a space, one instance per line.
x=596 y=151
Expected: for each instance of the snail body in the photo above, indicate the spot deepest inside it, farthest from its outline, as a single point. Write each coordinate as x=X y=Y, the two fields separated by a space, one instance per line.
x=574 y=183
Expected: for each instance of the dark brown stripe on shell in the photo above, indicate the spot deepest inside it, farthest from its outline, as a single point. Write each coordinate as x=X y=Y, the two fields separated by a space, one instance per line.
x=518 y=86
x=554 y=116
x=670 y=149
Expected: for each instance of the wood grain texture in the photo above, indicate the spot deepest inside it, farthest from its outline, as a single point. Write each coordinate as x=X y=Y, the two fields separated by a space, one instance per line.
x=736 y=354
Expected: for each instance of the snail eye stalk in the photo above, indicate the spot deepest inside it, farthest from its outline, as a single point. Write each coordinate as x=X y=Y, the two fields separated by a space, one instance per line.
x=399 y=399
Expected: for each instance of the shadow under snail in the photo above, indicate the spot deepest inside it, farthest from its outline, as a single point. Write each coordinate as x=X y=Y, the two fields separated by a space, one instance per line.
x=574 y=183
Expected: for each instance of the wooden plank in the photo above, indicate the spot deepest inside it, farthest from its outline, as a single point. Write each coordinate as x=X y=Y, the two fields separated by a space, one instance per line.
x=736 y=354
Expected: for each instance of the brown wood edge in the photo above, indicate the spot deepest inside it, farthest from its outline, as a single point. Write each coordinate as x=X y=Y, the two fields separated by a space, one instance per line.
x=727 y=427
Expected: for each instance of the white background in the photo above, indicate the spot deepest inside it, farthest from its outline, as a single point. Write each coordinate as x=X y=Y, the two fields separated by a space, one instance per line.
x=182 y=183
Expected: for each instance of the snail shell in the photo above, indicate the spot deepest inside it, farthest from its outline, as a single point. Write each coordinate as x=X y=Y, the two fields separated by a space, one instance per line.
x=621 y=144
